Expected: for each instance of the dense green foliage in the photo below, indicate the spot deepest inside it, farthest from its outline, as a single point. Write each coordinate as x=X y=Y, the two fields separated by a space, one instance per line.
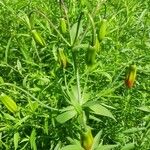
x=43 y=70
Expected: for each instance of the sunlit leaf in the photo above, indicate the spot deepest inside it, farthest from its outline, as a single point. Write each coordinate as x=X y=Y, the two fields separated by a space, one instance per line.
x=33 y=140
x=72 y=147
x=128 y=146
x=106 y=147
x=145 y=108
x=74 y=30
x=65 y=116
x=16 y=140
x=97 y=140
x=101 y=110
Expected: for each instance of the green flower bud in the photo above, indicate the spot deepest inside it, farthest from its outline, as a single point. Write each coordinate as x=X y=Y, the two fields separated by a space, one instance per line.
x=9 y=103
x=37 y=37
x=62 y=58
x=102 y=29
x=87 y=139
x=63 y=25
x=90 y=55
x=97 y=45
x=131 y=76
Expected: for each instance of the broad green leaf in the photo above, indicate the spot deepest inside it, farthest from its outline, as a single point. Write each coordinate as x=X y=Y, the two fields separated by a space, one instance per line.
x=101 y=110
x=72 y=147
x=145 y=108
x=16 y=140
x=96 y=140
x=128 y=146
x=106 y=147
x=65 y=116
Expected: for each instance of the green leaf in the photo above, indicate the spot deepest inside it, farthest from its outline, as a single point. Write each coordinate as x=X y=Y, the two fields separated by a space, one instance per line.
x=74 y=30
x=33 y=139
x=128 y=146
x=95 y=118
x=9 y=117
x=1 y=80
x=73 y=95
x=107 y=75
x=97 y=140
x=57 y=147
x=133 y=130
x=9 y=103
x=46 y=125
x=72 y=147
x=81 y=46
x=62 y=118
x=19 y=66
x=106 y=147
x=101 y=110
x=16 y=140
x=145 y=108
x=67 y=108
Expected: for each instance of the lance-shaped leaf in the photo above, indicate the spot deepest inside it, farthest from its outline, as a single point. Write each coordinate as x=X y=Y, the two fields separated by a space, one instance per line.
x=65 y=116
x=100 y=110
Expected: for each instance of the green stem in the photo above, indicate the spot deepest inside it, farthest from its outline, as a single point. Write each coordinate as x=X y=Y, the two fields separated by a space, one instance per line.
x=7 y=49
x=78 y=86
x=93 y=14
x=105 y=11
x=65 y=80
x=76 y=68
x=67 y=18
x=77 y=32
x=86 y=80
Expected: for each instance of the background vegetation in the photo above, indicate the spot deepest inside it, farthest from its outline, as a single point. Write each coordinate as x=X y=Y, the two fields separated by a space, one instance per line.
x=54 y=89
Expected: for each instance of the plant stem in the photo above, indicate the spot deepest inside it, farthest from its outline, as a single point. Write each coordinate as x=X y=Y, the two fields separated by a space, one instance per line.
x=67 y=18
x=78 y=86
x=77 y=32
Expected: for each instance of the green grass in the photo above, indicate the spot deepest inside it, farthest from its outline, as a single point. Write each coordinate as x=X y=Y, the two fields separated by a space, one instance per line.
x=56 y=104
